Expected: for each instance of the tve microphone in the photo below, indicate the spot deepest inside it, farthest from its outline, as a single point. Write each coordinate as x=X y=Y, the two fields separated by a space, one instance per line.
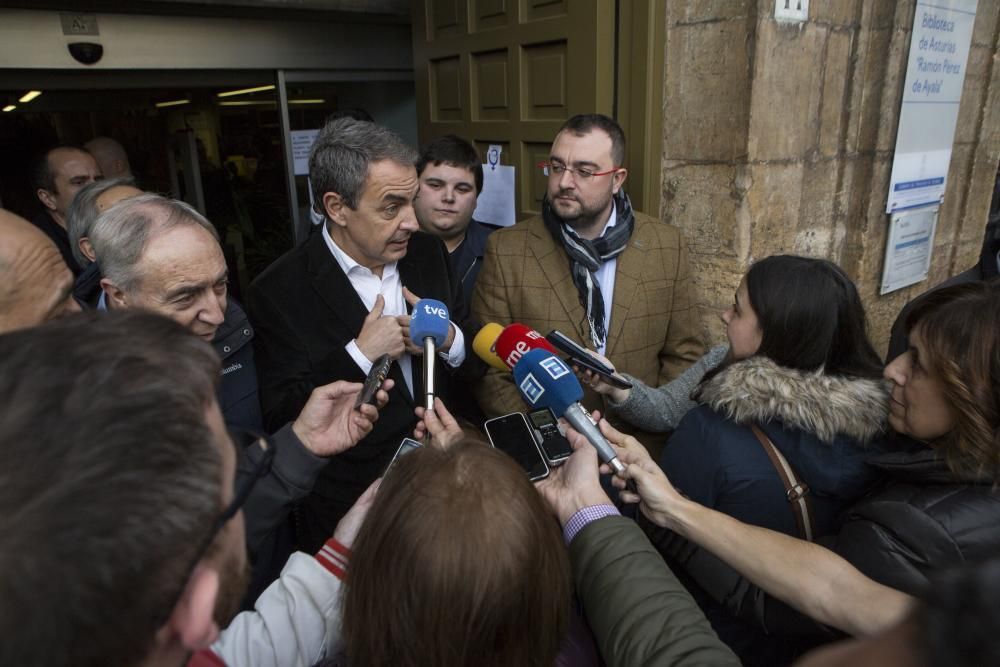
x=429 y=324
x=545 y=381
x=517 y=339
x=484 y=345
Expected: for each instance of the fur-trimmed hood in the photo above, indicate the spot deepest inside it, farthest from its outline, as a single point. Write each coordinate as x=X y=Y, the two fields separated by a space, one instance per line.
x=757 y=390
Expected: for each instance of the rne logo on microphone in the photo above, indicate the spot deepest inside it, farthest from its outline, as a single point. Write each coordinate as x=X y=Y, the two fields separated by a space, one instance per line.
x=436 y=311
x=554 y=367
x=520 y=349
x=531 y=389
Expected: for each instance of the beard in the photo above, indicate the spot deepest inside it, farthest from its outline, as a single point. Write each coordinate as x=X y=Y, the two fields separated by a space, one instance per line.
x=233 y=582
x=576 y=213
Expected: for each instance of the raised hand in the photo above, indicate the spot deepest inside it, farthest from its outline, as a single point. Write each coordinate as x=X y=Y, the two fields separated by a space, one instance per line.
x=439 y=424
x=380 y=334
x=596 y=382
x=657 y=497
x=329 y=424
x=417 y=347
x=350 y=525
x=576 y=483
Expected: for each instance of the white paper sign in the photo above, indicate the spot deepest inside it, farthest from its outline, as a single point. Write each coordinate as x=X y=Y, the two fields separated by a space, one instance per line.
x=496 y=202
x=908 y=251
x=302 y=143
x=935 y=73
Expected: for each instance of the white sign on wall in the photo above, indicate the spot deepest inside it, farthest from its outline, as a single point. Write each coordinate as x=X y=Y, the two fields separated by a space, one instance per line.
x=908 y=250
x=935 y=73
x=302 y=143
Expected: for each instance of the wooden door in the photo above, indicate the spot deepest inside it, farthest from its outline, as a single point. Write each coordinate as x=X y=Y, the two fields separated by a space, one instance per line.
x=509 y=72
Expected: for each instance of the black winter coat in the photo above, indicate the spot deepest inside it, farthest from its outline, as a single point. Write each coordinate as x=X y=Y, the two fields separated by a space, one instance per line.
x=922 y=519
x=926 y=518
x=823 y=425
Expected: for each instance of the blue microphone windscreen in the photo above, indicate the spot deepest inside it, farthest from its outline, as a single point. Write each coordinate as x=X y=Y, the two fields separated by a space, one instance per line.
x=545 y=381
x=430 y=320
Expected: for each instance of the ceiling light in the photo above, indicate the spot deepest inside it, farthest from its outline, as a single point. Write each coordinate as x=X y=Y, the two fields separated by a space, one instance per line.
x=307 y=101
x=247 y=103
x=10 y=107
x=245 y=91
x=172 y=103
x=30 y=95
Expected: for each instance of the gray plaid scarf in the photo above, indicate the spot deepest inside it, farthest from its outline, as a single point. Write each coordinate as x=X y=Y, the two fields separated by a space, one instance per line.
x=586 y=257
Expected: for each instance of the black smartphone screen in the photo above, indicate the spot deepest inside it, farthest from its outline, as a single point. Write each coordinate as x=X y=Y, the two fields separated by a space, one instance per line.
x=408 y=445
x=512 y=435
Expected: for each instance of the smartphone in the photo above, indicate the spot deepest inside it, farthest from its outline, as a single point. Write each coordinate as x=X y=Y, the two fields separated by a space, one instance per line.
x=581 y=356
x=555 y=447
x=405 y=447
x=512 y=435
x=376 y=376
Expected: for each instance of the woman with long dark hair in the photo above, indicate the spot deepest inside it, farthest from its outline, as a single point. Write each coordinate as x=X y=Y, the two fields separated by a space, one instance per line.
x=938 y=506
x=792 y=412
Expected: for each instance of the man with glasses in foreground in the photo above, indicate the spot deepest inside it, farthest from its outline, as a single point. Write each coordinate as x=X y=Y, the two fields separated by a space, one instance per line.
x=614 y=280
x=123 y=539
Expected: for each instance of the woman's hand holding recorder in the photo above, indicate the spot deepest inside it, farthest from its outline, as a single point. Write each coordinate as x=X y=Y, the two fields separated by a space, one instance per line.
x=439 y=424
x=658 y=499
x=577 y=484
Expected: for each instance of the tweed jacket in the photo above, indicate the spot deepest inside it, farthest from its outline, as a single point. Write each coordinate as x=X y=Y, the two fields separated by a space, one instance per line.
x=654 y=331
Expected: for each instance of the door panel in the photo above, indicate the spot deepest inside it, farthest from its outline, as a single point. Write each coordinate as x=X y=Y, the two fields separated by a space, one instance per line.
x=510 y=72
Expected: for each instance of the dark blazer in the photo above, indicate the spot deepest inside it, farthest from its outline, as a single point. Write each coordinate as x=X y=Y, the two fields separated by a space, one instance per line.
x=304 y=311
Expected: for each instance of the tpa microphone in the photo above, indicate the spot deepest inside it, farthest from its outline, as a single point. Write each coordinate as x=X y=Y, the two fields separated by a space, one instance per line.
x=545 y=381
x=517 y=339
x=484 y=345
x=429 y=324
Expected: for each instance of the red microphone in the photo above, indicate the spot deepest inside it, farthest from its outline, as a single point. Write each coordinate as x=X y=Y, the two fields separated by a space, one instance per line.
x=516 y=339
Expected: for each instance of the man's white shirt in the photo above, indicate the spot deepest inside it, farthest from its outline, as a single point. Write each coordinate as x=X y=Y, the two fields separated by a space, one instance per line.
x=368 y=286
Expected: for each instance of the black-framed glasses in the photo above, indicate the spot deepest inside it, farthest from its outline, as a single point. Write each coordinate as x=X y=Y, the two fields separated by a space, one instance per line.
x=582 y=173
x=244 y=440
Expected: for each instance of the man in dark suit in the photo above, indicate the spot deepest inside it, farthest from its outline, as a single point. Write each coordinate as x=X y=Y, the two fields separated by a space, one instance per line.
x=329 y=308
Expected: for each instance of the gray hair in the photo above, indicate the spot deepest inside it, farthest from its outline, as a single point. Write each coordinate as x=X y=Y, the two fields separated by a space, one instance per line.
x=122 y=232
x=82 y=213
x=342 y=154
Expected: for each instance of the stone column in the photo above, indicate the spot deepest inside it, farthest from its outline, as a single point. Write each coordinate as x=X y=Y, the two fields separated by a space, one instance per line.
x=778 y=138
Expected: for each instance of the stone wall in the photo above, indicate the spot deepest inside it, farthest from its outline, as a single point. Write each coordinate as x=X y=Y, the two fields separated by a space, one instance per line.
x=778 y=138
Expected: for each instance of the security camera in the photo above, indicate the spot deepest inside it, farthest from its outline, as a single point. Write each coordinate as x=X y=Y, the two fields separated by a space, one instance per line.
x=86 y=53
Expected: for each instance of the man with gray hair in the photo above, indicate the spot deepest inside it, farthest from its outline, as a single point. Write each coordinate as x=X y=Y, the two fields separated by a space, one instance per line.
x=89 y=203
x=333 y=306
x=161 y=255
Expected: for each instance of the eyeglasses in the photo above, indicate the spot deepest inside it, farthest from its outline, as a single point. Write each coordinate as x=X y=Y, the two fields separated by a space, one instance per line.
x=557 y=169
x=243 y=440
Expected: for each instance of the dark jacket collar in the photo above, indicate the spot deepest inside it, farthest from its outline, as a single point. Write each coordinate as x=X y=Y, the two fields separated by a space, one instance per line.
x=919 y=463
x=234 y=332
x=87 y=286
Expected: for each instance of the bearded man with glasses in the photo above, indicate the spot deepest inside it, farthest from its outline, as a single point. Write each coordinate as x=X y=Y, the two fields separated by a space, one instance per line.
x=614 y=280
